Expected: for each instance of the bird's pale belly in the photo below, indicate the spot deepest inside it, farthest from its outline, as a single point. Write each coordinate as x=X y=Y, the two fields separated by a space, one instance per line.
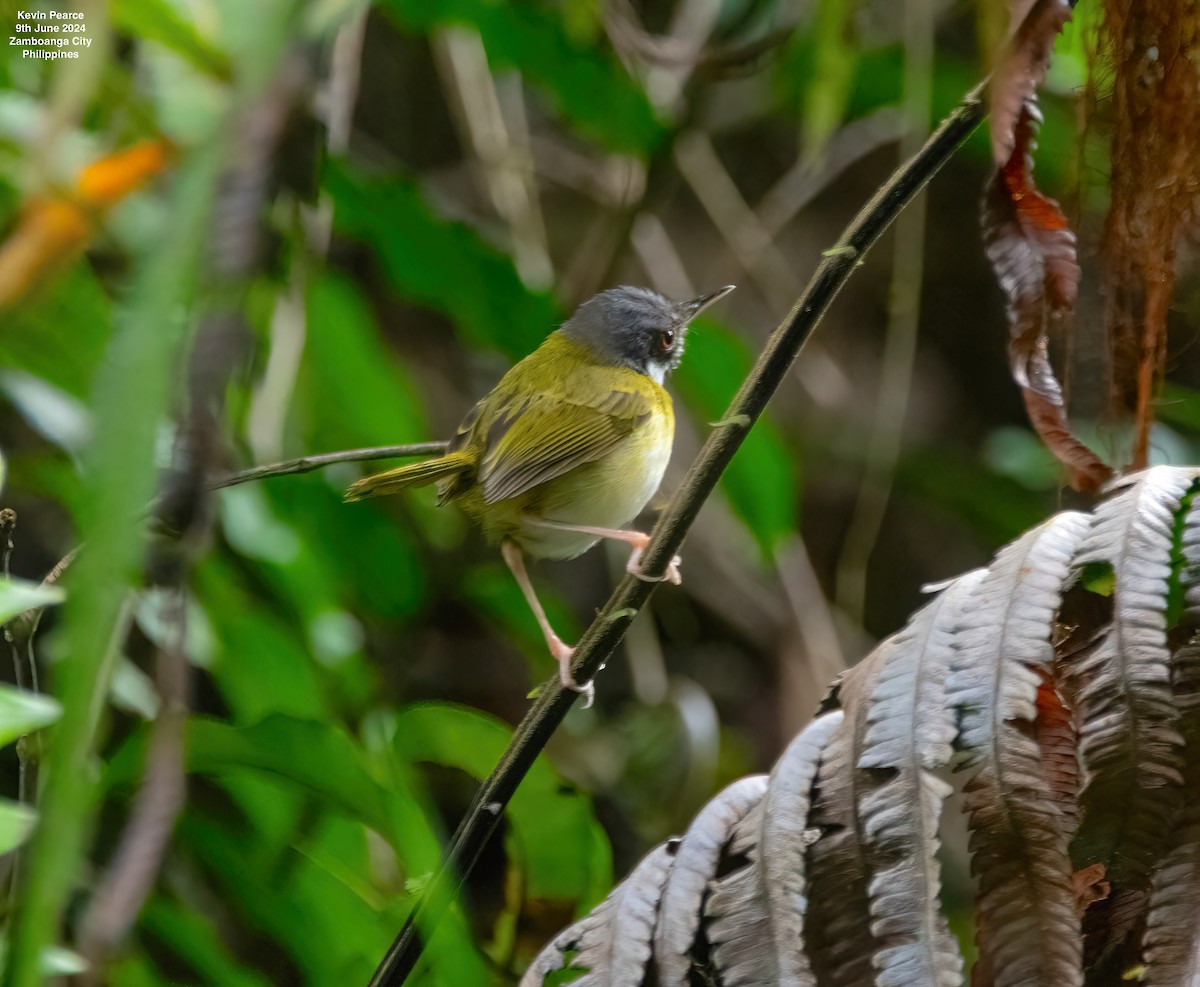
x=608 y=493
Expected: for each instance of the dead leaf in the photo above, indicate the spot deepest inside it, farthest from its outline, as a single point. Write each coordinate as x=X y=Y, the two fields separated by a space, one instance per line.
x=1089 y=885
x=1021 y=66
x=1032 y=250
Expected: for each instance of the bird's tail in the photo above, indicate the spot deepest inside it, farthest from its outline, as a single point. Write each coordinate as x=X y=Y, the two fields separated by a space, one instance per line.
x=413 y=475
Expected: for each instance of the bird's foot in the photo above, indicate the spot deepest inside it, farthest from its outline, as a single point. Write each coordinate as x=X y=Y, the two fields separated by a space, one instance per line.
x=563 y=653
x=634 y=565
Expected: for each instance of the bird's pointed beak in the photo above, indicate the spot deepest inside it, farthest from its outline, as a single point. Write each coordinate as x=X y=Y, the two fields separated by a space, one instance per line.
x=690 y=309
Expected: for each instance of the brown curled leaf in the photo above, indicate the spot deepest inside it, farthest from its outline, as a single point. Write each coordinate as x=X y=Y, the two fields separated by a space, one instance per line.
x=1032 y=250
x=1089 y=885
x=1021 y=66
x=1085 y=470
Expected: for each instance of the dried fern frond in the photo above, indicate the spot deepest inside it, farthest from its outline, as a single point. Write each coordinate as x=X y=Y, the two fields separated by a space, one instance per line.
x=910 y=727
x=1172 y=937
x=786 y=835
x=755 y=915
x=1038 y=670
x=696 y=862
x=612 y=942
x=1028 y=926
x=1129 y=723
x=837 y=935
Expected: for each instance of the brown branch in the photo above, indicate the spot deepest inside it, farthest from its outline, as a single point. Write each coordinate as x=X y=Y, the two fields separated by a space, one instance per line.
x=157 y=804
x=306 y=464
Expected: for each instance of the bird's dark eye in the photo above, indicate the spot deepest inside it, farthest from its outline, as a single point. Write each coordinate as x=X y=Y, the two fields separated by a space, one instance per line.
x=666 y=339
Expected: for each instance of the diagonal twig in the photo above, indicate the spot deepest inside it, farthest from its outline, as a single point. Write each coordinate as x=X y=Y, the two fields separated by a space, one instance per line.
x=306 y=464
x=609 y=627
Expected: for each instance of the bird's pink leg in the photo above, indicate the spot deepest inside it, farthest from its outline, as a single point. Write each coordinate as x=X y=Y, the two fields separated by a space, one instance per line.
x=561 y=651
x=637 y=539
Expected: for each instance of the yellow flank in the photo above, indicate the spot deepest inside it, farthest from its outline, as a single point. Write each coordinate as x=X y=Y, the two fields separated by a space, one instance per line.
x=562 y=437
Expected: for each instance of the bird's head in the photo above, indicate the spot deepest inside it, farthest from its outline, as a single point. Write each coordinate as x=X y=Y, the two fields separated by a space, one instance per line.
x=637 y=328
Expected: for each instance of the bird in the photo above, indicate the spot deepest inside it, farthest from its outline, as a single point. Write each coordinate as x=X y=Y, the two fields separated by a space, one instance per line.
x=571 y=444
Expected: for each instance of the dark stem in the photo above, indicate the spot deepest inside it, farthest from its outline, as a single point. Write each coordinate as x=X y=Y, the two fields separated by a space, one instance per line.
x=602 y=637
x=306 y=464
x=8 y=525
x=20 y=632
x=157 y=804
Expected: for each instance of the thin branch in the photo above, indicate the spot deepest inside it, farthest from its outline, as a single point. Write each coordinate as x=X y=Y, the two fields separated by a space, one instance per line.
x=753 y=245
x=306 y=464
x=159 y=800
x=25 y=758
x=19 y=633
x=606 y=631
x=8 y=524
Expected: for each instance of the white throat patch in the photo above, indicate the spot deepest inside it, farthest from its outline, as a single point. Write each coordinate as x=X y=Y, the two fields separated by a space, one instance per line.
x=656 y=371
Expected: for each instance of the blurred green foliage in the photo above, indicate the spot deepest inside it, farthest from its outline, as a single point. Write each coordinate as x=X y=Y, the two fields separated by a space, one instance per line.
x=357 y=668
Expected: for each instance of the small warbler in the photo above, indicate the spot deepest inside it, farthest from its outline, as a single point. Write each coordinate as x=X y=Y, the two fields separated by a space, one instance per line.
x=572 y=443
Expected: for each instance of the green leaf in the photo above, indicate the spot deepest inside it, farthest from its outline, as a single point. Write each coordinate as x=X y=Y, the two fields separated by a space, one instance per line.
x=24 y=712
x=3 y=470
x=833 y=59
x=942 y=480
x=280 y=677
x=324 y=762
x=348 y=367
x=439 y=263
x=54 y=961
x=16 y=823
x=586 y=84
x=189 y=932
x=1098 y=577
x=1179 y=405
x=160 y=22
x=58 y=416
x=328 y=764
x=59 y=334
x=1016 y=452
x=133 y=691
x=267 y=901
x=1075 y=46
x=554 y=836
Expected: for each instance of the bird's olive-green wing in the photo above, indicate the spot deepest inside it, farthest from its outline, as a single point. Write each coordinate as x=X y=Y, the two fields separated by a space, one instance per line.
x=548 y=435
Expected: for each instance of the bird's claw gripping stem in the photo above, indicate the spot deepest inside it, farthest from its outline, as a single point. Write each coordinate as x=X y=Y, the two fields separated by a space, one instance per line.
x=563 y=653
x=634 y=566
